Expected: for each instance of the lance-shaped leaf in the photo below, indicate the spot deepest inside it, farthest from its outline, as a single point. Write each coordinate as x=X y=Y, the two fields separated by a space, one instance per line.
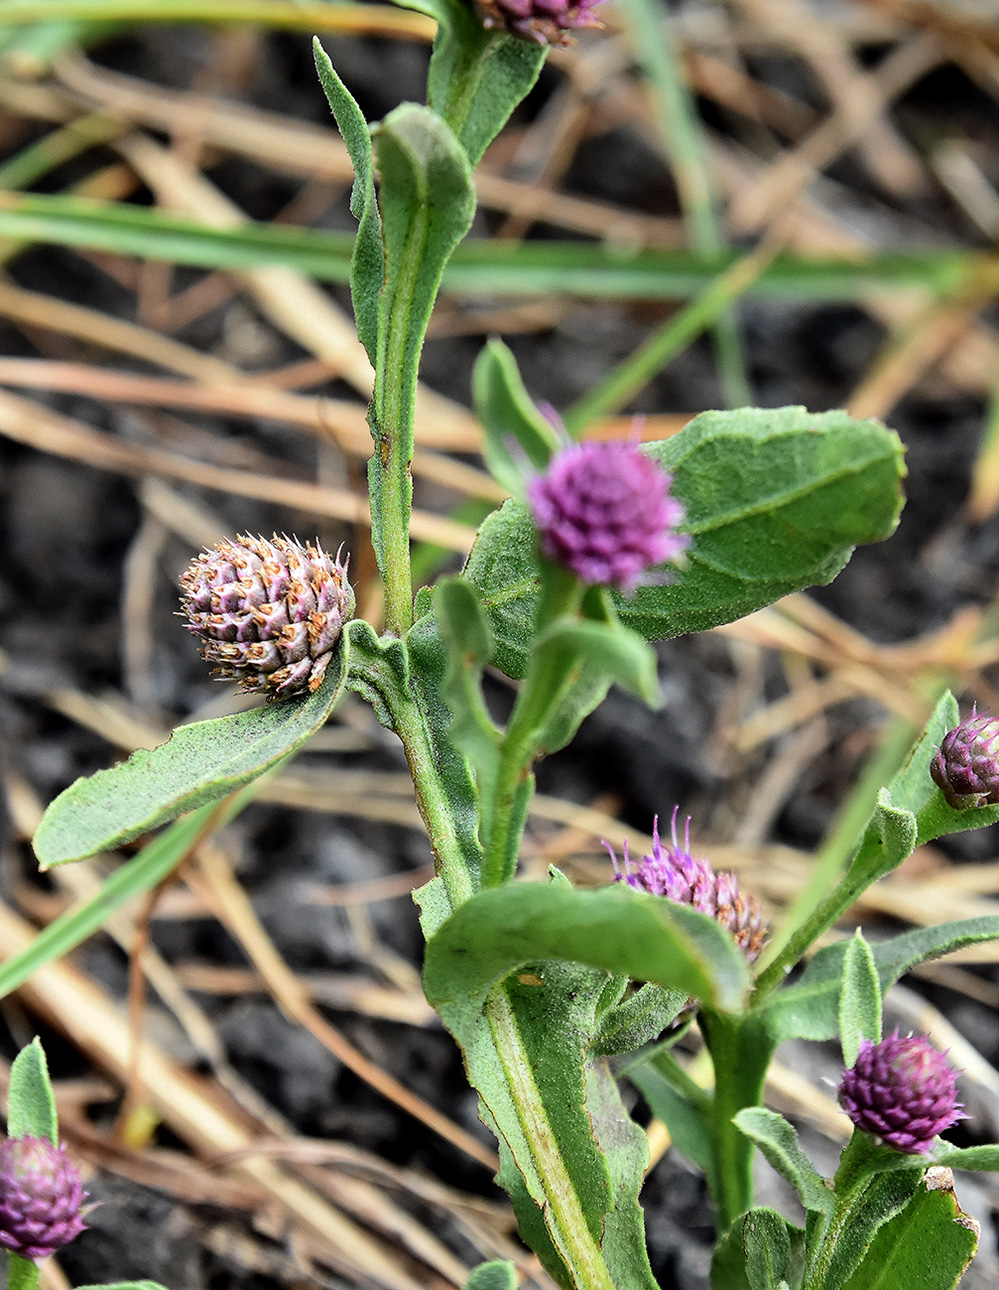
x=760 y=1251
x=477 y=77
x=497 y=1275
x=518 y=438
x=778 y=1141
x=616 y=928
x=776 y=501
x=427 y=201
x=859 y=1000
x=31 y=1105
x=809 y=1008
x=367 y=263
x=199 y=763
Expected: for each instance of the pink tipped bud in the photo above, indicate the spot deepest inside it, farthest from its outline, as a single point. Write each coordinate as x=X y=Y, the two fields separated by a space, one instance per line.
x=268 y=614
x=902 y=1091
x=41 y=1198
x=966 y=766
x=671 y=871
x=546 y=22
x=604 y=510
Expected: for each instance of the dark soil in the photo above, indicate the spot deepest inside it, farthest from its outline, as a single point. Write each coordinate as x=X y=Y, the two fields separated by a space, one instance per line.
x=68 y=530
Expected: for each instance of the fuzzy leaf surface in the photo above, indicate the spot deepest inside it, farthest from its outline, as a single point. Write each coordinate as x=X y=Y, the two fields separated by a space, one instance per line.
x=367 y=262
x=31 y=1105
x=477 y=77
x=511 y=420
x=199 y=763
x=776 y=501
x=859 y=1000
x=737 y=1264
x=496 y=1275
x=929 y=1245
x=615 y=928
x=809 y=1008
x=778 y=1141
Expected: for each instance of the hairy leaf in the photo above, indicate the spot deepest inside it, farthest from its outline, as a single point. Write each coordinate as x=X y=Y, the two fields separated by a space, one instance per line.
x=859 y=1000
x=776 y=501
x=779 y=1143
x=518 y=438
x=367 y=264
x=616 y=928
x=31 y=1105
x=497 y=1275
x=199 y=763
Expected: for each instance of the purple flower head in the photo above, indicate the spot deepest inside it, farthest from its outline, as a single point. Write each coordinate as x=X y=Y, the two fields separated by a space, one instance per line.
x=672 y=872
x=546 y=22
x=966 y=765
x=604 y=510
x=267 y=613
x=902 y=1091
x=41 y=1197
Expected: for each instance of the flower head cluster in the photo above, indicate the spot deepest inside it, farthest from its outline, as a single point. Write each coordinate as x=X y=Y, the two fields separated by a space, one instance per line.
x=671 y=871
x=546 y=22
x=901 y=1090
x=966 y=765
x=268 y=614
x=41 y=1197
x=604 y=510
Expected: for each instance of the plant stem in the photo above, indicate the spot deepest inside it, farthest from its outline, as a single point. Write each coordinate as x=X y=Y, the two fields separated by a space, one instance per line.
x=545 y=685
x=563 y=1212
x=740 y=1056
x=432 y=800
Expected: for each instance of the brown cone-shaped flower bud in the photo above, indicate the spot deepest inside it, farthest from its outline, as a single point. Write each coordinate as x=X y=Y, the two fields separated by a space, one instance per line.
x=966 y=765
x=268 y=614
x=41 y=1197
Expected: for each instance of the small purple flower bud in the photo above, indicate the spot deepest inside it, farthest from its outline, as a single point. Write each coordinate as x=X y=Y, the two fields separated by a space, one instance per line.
x=268 y=614
x=902 y=1091
x=41 y=1197
x=671 y=871
x=966 y=765
x=604 y=510
x=546 y=22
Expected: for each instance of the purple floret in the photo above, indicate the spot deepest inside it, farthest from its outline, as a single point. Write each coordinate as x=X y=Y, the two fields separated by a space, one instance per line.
x=966 y=765
x=545 y=22
x=902 y=1091
x=604 y=510
x=41 y=1197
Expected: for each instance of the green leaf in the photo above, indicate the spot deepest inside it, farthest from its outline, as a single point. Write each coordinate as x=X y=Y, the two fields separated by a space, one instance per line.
x=367 y=265
x=809 y=1008
x=848 y=1248
x=859 y=1000
x=779 y=1143
x=985 y=1158
x=776 y=501
x=767 y=1245
x=606 y=650
x=497 y=1275
x=427 y=201
x=730 y=1268
x=682 y=1107
x=625 y=1149
x=199 y=763
x=641 y=1018
x=477 y=77
x=616 y=928
x=469 y=645
x=929 y=1245
x=22 y=1274
x=31 y=1105
x=510 y=419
